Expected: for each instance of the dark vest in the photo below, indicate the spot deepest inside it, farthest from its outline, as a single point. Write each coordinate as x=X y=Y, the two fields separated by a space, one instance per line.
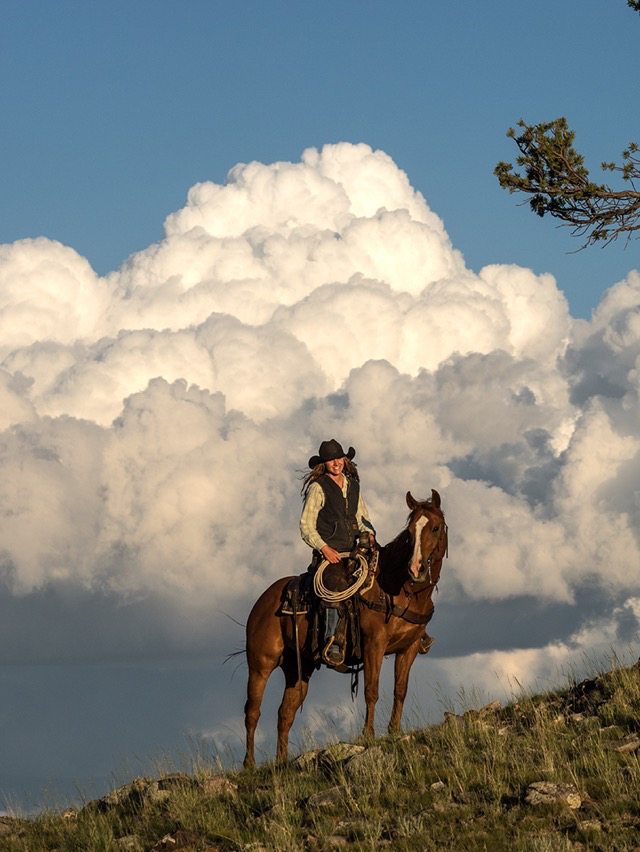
x=337 y=524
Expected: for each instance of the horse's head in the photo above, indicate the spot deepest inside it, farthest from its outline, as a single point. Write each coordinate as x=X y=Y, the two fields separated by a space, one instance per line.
x=428 y=531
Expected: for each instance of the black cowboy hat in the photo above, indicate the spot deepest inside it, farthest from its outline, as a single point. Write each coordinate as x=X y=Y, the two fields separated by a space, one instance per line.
x=330 y=450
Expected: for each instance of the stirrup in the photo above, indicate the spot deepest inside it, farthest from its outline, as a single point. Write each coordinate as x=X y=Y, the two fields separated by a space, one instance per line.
x=333 y=654
x=426 y=642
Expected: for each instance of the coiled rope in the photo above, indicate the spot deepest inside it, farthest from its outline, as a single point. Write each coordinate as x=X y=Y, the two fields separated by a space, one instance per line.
x=335 y=597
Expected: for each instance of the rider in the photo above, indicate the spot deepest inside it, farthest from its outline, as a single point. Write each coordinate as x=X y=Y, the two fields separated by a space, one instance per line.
x=333 y=516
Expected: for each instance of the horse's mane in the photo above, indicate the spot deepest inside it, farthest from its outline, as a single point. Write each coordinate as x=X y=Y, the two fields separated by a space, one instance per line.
x=395 y=548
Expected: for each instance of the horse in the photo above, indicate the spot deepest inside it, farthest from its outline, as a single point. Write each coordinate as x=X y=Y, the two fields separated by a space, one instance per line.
x=393 y=614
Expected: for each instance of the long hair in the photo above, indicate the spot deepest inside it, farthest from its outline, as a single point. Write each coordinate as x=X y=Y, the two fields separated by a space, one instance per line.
x=350 y=468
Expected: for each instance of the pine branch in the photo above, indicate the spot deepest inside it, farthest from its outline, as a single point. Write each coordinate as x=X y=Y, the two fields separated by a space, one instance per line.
x=554 y=175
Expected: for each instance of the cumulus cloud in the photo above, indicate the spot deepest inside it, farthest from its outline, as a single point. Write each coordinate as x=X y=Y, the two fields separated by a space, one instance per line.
x=49 y=293
x=512 y=673
x=153 y=420
x=154 y=423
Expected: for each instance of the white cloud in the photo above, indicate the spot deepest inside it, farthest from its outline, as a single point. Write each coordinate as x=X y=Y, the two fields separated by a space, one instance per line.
x=153 y=425
x=508 y=675
x=48 y=292
x=154 y=420
x=14 y=407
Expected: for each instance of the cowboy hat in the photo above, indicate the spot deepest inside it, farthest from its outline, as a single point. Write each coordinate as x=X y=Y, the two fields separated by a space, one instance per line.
x=330 y=450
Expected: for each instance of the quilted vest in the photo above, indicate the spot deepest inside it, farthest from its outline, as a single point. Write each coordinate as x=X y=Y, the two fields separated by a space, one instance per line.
x=337 y=524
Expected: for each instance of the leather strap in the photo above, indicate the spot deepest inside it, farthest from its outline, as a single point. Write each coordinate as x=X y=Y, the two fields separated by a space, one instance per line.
x=407 y=614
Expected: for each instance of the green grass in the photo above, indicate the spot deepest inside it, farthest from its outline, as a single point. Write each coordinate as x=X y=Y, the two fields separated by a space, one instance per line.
x=460 y=785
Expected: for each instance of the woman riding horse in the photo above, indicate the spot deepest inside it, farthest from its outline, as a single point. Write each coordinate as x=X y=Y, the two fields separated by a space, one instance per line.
x=393 y=612
x=333 y=515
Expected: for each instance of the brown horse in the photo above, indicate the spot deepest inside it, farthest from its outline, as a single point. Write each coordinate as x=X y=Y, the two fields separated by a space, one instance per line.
x=393 y=614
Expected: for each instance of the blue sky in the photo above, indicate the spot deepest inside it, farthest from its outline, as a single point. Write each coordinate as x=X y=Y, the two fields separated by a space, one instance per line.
x=111 y=111
x=135 y=409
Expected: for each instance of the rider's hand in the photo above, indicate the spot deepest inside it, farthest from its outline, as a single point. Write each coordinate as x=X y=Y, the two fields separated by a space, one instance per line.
x=330 y=554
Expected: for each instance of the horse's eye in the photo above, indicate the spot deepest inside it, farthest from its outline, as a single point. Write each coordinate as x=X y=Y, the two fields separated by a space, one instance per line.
x=435 y=529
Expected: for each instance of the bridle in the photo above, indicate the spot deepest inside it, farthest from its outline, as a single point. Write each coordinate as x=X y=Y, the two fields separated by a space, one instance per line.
x=425 y=579
x=425 y=576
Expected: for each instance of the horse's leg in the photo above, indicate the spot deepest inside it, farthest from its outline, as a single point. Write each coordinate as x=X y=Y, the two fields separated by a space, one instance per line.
x=404 y=661
x=258 y=677
x=295 y=691
x=373 y=656
x=265 y=644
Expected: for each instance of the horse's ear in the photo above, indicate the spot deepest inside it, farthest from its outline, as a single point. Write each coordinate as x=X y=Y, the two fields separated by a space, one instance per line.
x=435 y=498
x=411 y=501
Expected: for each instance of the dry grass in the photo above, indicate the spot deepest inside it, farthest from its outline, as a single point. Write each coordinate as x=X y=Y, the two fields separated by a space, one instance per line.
x=459 y=785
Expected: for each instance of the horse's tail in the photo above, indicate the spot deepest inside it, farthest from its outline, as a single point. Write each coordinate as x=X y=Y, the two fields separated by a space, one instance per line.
x=233 y=653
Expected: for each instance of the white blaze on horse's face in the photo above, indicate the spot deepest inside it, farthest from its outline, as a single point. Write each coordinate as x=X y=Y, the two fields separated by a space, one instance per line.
x=416 y=558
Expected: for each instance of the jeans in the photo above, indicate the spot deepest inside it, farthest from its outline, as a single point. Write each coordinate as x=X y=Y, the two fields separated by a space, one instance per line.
x=331 y=616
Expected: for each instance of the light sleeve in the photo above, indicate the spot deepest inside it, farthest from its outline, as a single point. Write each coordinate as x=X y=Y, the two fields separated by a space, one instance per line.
x=308 y=521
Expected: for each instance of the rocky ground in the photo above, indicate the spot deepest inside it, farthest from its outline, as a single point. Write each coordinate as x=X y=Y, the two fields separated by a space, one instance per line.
x=558 y=771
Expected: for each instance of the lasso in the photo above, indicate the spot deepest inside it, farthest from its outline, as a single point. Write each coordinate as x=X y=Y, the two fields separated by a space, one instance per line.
x=335 y=597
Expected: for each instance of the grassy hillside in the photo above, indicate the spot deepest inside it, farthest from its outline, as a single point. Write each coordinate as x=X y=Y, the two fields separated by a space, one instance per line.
x=550 y=772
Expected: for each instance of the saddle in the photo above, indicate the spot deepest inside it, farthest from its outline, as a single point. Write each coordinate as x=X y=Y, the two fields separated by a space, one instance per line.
x=300 y=598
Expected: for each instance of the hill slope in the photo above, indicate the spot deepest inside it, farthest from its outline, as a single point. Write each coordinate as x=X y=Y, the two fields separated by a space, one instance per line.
x=550 y=772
